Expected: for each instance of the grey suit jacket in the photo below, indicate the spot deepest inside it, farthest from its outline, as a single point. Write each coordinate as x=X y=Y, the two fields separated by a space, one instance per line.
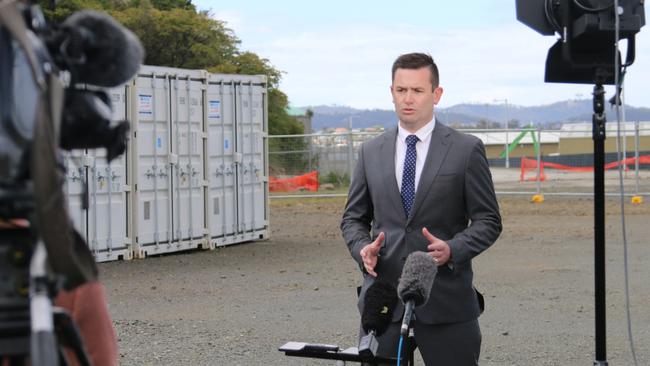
x=455 y=201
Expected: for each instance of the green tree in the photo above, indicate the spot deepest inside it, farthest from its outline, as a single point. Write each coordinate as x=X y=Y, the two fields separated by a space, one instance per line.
x=179 y=37
x=175 y=34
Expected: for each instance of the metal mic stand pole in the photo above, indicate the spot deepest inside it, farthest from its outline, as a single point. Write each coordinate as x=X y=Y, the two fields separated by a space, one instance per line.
x=598 y=135
x=409 y=346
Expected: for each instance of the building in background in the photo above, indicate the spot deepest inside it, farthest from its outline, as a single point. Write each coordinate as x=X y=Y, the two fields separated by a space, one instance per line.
x=303 y=115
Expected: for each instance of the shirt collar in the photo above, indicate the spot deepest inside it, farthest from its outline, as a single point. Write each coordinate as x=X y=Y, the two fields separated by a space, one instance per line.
x=423 y=133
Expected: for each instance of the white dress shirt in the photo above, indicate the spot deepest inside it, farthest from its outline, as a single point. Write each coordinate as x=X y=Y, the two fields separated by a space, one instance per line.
x=422 y=148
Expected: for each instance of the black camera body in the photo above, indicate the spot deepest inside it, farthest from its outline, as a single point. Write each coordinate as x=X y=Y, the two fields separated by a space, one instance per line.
x=585 y=52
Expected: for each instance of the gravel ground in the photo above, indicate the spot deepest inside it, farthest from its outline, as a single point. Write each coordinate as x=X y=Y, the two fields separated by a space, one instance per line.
x=237 y=305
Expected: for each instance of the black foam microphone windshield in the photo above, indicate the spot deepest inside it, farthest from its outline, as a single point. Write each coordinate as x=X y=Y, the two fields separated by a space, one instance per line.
x=97 y=50
x=379 y=301
x=415 y=284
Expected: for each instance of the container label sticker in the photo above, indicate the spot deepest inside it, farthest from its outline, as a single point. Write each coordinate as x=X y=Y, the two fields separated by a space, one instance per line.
x=158 y=143
x=145 y=105
x=226 y=144
x=214 y=109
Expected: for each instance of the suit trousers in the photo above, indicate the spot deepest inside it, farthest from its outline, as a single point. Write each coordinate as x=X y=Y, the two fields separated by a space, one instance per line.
x=451 y=344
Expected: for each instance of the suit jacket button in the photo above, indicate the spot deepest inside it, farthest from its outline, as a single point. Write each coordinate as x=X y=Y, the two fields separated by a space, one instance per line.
x=409 y=229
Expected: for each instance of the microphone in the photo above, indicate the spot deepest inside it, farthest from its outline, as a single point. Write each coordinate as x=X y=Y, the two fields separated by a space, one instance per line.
x=379 y=303
x=86 y=123
x=415 y=284
x=96 y=49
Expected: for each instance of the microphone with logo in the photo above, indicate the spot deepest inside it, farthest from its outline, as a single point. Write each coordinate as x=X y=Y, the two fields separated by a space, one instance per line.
x=379 y=302
x=415 y=284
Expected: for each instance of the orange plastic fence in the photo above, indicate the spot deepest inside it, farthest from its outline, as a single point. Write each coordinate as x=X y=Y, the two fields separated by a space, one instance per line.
x=308 y=182
x=531 y=165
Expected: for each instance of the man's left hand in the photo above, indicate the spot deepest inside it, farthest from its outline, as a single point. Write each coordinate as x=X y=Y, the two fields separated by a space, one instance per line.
x=438 y=249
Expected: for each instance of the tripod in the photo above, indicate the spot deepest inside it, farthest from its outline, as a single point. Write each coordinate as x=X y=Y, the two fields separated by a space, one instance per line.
x=598 y=135
x=30 y=327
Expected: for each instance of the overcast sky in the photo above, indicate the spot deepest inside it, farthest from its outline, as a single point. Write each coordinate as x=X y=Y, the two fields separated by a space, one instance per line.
x=340 y=52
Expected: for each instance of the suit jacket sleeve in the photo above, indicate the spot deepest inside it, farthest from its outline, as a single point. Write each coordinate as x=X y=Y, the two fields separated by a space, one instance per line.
x=358 y=214
x=480 y=205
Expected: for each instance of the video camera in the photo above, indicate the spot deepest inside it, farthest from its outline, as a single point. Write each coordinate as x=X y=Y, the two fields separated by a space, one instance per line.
x=584 y=54
x=52 y=97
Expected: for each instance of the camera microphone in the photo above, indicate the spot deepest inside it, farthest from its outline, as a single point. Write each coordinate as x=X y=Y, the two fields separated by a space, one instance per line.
x=87 y=123
x=415 y=284
x=96 y=49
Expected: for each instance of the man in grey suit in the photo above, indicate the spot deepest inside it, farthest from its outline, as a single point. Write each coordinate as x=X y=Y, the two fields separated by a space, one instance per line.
x=423 y=186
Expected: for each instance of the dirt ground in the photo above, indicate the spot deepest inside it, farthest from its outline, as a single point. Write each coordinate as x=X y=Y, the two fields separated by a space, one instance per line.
x=236 y=305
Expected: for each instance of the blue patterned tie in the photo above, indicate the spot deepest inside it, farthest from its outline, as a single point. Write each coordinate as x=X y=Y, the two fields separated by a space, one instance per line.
x=408 y=175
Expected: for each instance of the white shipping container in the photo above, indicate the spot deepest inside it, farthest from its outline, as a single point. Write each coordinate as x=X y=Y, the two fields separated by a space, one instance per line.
x=102 y=187
x=167 y=163
x=237 y=204
x=195 y=174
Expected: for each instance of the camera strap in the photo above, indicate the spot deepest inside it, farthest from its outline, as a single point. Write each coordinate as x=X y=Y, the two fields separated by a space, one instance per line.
x=68 y=254
x=13 y=21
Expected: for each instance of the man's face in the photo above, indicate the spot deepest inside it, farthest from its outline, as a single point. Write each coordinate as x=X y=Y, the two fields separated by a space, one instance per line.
x=414 y=97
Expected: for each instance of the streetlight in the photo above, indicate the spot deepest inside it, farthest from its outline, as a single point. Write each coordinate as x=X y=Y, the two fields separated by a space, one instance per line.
x=505 y=101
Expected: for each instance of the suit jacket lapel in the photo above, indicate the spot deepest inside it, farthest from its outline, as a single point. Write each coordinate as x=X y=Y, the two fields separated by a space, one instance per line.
x=388 y=156
x=438 y=148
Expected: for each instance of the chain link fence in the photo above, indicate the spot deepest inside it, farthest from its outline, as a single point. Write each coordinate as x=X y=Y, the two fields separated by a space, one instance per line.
x=523 y=161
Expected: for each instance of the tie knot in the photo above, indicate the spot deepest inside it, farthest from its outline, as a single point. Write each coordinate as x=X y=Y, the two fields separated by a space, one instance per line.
x=411 y=140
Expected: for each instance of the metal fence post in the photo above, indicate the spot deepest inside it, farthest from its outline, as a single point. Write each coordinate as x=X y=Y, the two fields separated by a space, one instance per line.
x=507 y=147
x=539 y=162
x=636 y=157
x=310 y=152
x=350 y=152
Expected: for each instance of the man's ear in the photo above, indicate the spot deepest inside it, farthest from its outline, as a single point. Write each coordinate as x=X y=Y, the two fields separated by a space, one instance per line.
x=437 y=94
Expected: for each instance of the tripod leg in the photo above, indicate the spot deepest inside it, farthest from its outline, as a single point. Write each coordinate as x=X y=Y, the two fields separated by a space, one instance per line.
x=69 y=334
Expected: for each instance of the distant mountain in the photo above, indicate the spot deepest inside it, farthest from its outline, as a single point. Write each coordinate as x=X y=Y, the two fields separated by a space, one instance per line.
x=551 y=115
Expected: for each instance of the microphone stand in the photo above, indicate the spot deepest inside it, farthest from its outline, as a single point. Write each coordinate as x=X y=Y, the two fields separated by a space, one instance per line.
x=409 y=346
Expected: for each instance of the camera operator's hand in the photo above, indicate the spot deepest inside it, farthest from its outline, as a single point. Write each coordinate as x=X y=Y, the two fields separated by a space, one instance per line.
x=14 y=224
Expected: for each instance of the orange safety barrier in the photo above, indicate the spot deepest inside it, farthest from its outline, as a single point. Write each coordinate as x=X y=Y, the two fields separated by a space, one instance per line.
x=308 y=182
x=531 y=164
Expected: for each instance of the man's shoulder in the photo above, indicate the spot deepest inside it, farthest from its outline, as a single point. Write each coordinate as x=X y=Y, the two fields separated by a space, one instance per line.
x=380 y=139
x=459 y=136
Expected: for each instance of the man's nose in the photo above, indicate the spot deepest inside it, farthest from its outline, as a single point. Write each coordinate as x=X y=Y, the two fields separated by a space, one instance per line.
x=408 y=98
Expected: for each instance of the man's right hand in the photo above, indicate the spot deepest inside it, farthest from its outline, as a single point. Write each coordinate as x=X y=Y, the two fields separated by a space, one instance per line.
x=370 y=254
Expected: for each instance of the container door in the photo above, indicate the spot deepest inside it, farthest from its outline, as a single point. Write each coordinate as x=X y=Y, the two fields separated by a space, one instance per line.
x=76 y=179
x=107 y=235
x=222 y=197
x=151 y=154
x=250 y=142
x=187 y=149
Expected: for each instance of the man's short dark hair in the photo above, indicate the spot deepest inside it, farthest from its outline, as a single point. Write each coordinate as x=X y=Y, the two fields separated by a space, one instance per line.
x=414 y=61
